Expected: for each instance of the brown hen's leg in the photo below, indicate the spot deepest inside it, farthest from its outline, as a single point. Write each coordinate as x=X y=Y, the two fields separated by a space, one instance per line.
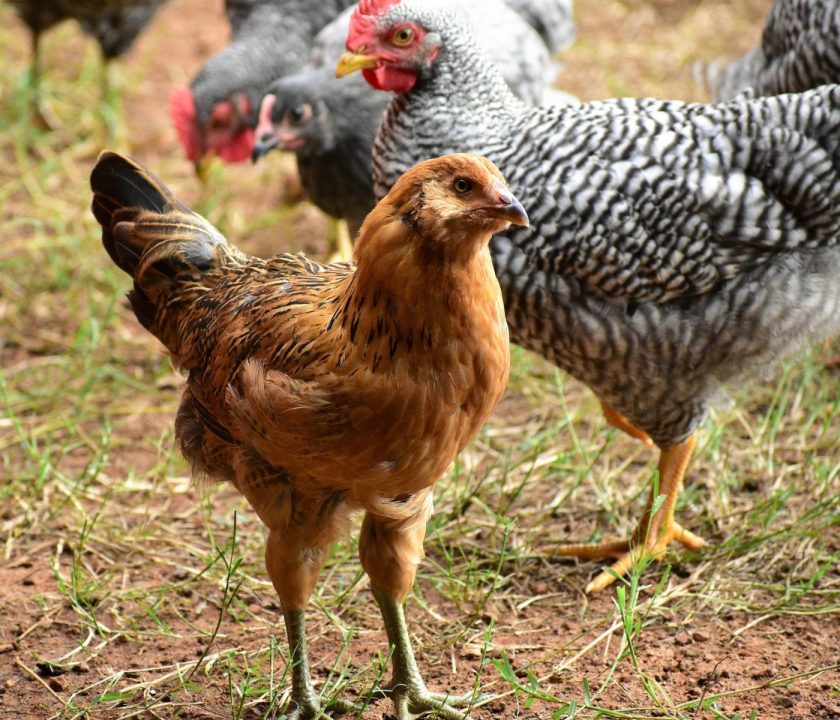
x=618 y=421
x=293 y=558
x=294 y=569
x=390 y=551
x=655 y=531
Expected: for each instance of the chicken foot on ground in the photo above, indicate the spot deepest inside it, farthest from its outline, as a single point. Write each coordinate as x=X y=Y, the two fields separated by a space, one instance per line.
x=655 y=530
x=390 y=551
x=294 y=566
x=407 y=690
x=41 y=116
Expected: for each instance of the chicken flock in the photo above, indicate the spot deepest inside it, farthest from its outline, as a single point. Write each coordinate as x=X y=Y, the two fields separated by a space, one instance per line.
x=655 y=250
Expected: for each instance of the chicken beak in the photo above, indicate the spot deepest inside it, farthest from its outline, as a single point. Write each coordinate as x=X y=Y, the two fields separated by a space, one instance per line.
x=265 y=138
x=350 y=62
x=264 y=144
x=509 y=208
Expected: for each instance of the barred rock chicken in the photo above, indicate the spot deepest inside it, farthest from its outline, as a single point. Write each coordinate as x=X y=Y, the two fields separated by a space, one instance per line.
x=114 y=24
x=270 y=38
x=674 y=247
x=800 y=50
x=331 y=125
x=217 y=114
x=318 y=390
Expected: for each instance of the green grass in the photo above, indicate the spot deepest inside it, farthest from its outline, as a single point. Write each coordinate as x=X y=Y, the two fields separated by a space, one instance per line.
x=147 y=598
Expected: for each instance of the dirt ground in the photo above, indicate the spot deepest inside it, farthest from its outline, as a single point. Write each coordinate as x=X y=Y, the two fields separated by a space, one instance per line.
x=773 y=662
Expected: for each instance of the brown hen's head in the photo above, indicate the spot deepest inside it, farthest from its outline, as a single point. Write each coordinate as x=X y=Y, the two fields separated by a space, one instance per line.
x=449 y=206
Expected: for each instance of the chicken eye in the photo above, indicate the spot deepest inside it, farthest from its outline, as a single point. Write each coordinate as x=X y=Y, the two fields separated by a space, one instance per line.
x=300 y=114
x=462 y=185
x=403 y=36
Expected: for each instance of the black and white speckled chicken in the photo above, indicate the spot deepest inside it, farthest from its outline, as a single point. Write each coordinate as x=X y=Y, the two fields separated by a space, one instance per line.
x=674 y=247
x=552 y=19
x=330 y=125
x=799 y=50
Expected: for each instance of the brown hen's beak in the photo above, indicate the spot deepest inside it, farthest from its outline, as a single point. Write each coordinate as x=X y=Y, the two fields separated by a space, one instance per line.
x=350 y=62
x=509 y=208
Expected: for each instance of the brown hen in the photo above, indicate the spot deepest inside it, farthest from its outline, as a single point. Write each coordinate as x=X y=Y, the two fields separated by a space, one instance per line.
x=318 y=390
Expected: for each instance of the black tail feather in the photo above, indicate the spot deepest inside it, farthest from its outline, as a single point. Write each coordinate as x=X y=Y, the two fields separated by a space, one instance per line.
x=122 y=191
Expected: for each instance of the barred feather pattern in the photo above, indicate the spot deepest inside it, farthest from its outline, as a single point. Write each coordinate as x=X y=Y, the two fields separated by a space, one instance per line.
x=799 y=50
x=673 y=247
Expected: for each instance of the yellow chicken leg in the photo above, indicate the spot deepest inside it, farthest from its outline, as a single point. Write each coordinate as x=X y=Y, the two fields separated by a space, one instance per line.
x=618 y=421
x=654 y=532
x=342 y=244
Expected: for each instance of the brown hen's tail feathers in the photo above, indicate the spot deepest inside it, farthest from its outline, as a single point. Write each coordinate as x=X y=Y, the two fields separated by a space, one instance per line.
x=150 y=234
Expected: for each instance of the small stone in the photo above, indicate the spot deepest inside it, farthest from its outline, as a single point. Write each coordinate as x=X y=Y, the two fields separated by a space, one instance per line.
x=56 y=684
x=699 y=636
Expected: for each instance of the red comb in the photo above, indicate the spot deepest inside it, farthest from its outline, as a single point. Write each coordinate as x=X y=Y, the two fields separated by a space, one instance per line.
x=375 y=7
x=363 y=21
x=185 y=119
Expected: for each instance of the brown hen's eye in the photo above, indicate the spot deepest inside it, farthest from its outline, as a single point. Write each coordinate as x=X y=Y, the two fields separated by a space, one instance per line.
x=462 y=185
x=403 y=36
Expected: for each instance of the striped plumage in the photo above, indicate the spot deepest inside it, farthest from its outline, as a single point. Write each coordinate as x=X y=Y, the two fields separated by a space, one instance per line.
x=799 y=50
x=673 y=247
x=331 y=124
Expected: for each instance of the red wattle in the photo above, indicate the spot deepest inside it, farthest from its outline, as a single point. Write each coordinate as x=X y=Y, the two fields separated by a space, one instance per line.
x=391 y=78
x=239 y=149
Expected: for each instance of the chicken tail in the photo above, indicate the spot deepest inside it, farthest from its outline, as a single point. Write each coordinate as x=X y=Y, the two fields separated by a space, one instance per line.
x=153 y=236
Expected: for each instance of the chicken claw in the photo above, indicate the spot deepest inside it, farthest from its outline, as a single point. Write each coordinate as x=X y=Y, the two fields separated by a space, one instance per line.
x=653 y=533
x=407 y=690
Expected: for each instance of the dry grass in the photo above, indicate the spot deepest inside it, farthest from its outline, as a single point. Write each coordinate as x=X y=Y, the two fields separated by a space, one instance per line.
x=124 y=593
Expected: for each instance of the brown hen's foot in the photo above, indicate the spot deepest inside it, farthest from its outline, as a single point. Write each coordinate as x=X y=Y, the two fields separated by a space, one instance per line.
x=415 y=702
x=407 y=689
x=308 y=710
x=654 y=532
x=305 y=703
x=618 y=421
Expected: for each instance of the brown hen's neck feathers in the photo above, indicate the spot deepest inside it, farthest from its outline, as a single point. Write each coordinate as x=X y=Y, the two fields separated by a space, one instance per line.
x=422 y=281
x=420 y=257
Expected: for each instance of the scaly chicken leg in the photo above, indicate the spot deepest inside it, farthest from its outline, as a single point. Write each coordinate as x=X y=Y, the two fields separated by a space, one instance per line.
x=654 y=531
x=294 y=554
x=390 y=552
x=618 y=421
